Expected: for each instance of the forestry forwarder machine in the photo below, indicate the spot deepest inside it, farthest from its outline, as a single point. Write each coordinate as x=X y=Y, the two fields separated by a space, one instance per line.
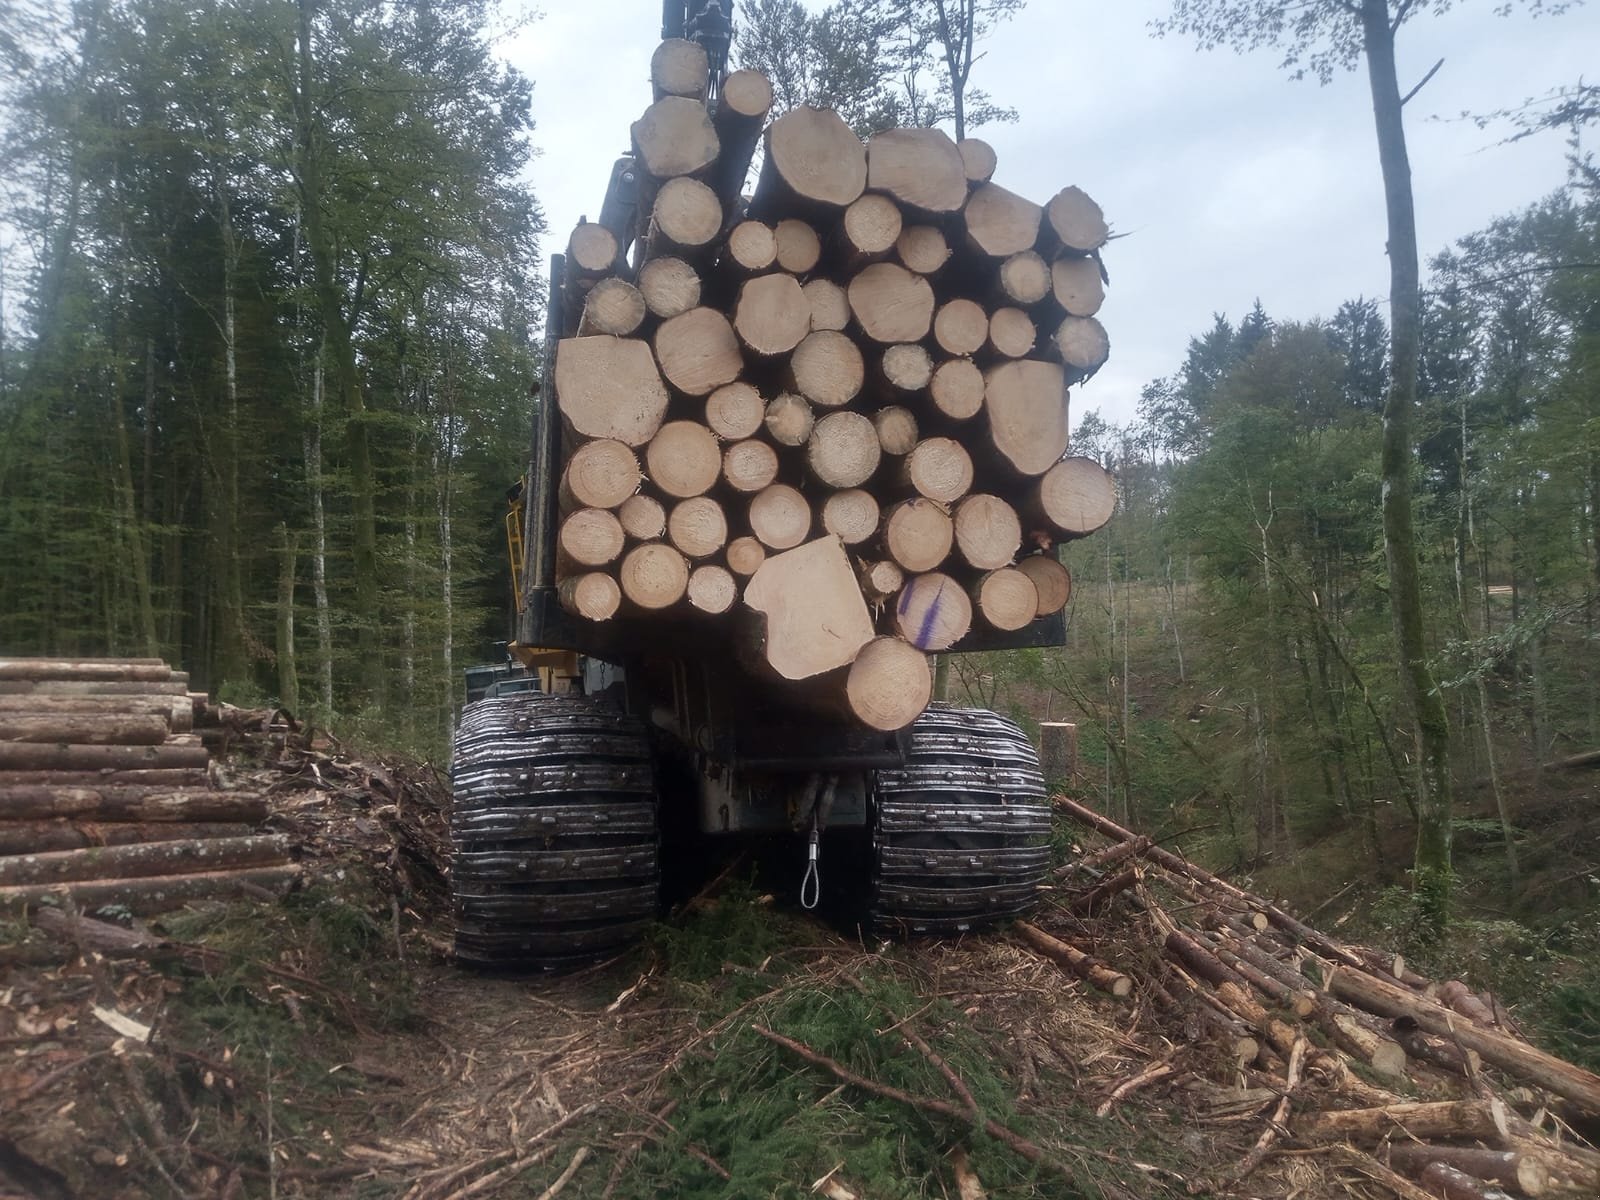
x=559 y=792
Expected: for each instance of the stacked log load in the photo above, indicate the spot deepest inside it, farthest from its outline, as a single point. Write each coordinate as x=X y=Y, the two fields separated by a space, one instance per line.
x=835 y=410
x=106 y=793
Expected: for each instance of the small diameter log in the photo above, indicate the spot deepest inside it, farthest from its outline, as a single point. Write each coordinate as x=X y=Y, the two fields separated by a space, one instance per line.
x=591 y=251
x=1437 y=1179
x=852 y=515
x=957 y=388
x=789 y=419
x=780 y=517
x=108 y=729
x=918 y=534
x=112 y=803
x=933 y=612
x=669 y=286
x=978 y=160
x=614 y=306
x=815 y=618
x=1051 y=580
x=1075 y=222
x=159 y=893
x=1024 y=279
x=1001 y=223
x=771 y=315
x=679 y=68
x=712 y=589
x=1012 y=333
x=675 y=137
x=698 y=527
x=988 y=532
x=126 y=670
x=90 y=687
x=868 y=230
x=643 y=519
x=961 y=327
x=654 y=576
x=1474 y=1120
x=830 y=309
x=1084 y=966
x=889 y=684
x=743 y=101
x=897 y=430
x=36 y=756
x=843 y=451
x=1006 y=599
x=827 y=368
x=150 y=779
x=592 y=596
x=745 y=555
x=1075 y=497
x=939 y=468
x=1027 y=405
x=799 y=247
x=879 y=580
x=1083 y=345
x=921 y=168
x=1077 y=285
x=813 y=160
x=922 y=249
x=141 y=860
x=590 y=537
x=891 y=304
x=610 y=388
x=734 y=411
x=37 y=837
x=684 y=220
x=683 y=459
x=750 y=465
x=904 y=371
x=752 y=248
x=1511 y=1167
x=698 y=351
x=600 y=474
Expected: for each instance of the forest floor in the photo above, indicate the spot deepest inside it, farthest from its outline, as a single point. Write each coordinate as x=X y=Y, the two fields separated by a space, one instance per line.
x=325 y=1045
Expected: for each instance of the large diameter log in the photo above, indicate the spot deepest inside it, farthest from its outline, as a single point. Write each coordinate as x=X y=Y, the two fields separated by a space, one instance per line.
x=897 y=430
x=590 y=537
x=889 y=684
x=1005 y=599
x=1074 y=222
x=920 y=168
x=591 y=251
x=593 y=595
x=1051 y=580
x=159 y=893
x=891 y=304
x=745 y=556
x=1001 y=223
x=669 y=286
x=830 y=308
x=1075 y=497
x=1024 y=279
x=922 y=249
x=698 y=351
x=789 y=419
x=36 y=837
x=843 y=451
x=780 y=517
x=827 y=368
x=29 y=756
x=683 y=459
x=752 y=248
x=904 y=371
x=90 y=729
x=750 y=465
x=1027 y=405
x=734 y=411
x=653 y=576
x=614 y=307
x=1077 y=285
x=675 y=137
x=918 y=534
x=799 y=246
x=685 y=220
x=853 y=515
x=868 y=230
x=939 y=468
x=742 y=104
x=1083 y=345
x=600 y=474
x=610 y=388
x=933 y=612
x=643 y=518
x=1513 y=1168
x=815 y=617
x=1083 y=965
x=1012 y=333
x=988 y=532
x=679 y=68
x=698 y=527
x=99 y=670
x=127 y=803
x=141 y=860
x=978 y=160
x=1476 y=1120
x=771 y=315
x=813 y=159
x=712 y=589
x=956 y=389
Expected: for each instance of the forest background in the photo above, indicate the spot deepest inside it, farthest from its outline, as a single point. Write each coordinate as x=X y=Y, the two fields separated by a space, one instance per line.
x=269 y=320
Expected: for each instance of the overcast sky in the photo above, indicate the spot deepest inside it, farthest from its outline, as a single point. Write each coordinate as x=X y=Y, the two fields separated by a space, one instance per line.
x=1229 y=180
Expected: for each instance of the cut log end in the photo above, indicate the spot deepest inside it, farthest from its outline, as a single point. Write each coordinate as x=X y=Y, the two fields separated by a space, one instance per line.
x=712 y=589
x=814 y=158
x=891 y=304
x=1024 y=279
x=1051 y=580
x=1076 y=220
x=697 y=527
x=1012 y=333
x=772 y=315
x=780 y=517
x=1077 y=496
x=897 y=430
x=921 y=168
x=750 y=465
x=940 y=469
x=957 y=389
x=852 y=515
x=988 y=532
x=654 y=576
x=592 y=249
x=643 y=518
x=610 y=388
x=933 y=612
x=686 y=215
x=590 y=537
x=1027 y=405
x=1083 y=345
x=918 y=534
x=674 y=137
x=683 y=459
x=827 y=369
x=614 y=306
x=593 y=596
x=922 y=249
x=789 y=419
x=1077 y=285
x=1001 y=223
x=889 y=684
x=735 y=411
x=799 y=247
x=843 y=451
x=978 y=160
x=752 y=247
x=669 y=286
x=679 y=68
x=698 y=351
x=745 y=555
x=961 y=327
x=1006 y=599
x=600 y=474
x=830 y=309
x=815 y=617
x=869 y=228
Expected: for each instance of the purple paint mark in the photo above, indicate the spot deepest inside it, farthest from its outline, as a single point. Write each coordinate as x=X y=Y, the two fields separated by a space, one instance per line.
x=925 y=634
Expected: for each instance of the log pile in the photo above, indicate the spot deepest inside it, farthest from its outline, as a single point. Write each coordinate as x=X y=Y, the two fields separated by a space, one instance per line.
x=832 y=413
x=106 y=793
x=1420 y=1080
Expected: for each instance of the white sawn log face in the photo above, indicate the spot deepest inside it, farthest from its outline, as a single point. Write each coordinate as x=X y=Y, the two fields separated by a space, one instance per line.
x=816 y=618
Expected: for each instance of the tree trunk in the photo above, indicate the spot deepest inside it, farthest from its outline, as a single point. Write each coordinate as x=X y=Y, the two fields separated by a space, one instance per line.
x=288 y=675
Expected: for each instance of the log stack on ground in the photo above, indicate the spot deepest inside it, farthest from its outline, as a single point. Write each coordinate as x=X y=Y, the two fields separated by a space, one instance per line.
x=852 y=382
x=106 y=796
